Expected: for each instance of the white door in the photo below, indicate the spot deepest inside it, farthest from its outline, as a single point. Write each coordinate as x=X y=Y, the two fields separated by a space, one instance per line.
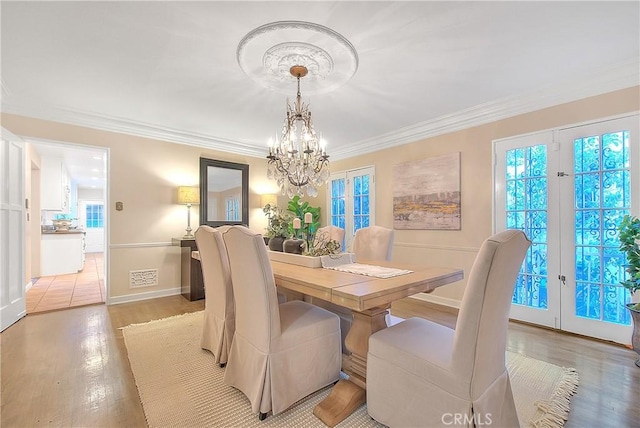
x=601 y=166
x=568 y=189
x=12 y=226
x=526 y=198
x=91 y=219
x=351 y=201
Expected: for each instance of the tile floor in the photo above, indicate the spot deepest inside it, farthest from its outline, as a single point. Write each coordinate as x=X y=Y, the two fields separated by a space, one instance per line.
x=86 y=287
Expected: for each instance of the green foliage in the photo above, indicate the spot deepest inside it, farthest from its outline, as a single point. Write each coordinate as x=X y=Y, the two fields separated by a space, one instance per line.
x=629 y=235
x=324 y=248
x=299 y=209
x=278 y=222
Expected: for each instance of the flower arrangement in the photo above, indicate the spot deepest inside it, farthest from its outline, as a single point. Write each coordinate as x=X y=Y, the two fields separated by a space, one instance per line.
x=323 y=246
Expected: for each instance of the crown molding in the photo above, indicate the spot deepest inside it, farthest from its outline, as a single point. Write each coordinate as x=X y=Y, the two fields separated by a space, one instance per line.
x=125 y=126
x=621 y=76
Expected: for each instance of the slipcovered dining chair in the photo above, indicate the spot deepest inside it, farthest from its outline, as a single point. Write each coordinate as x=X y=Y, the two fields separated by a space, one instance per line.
x=219 y=312
x=373 y=243
x=419 y=371
x=280 y=352
x=330 y=232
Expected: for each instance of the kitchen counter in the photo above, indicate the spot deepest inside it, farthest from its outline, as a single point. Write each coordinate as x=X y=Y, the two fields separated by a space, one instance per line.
x=62 y=252
x=62 y=232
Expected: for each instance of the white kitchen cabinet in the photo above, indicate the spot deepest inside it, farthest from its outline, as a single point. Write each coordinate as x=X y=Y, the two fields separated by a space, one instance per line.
x=55 y=185
x=62 y=253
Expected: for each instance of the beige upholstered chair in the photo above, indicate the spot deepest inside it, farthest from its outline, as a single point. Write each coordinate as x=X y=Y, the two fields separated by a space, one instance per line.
x=420 y=373
x=280 y=353
x=373 y=243
x=330 y=232
x=219 y=312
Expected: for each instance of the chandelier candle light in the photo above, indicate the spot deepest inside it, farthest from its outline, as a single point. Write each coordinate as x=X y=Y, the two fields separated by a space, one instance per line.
x=298 y=161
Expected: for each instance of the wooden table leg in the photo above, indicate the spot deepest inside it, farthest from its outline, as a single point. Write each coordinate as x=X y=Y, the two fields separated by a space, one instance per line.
x=348 y=395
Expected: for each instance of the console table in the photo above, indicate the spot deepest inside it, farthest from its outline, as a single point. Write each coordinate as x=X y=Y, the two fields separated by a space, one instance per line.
x=192 y=284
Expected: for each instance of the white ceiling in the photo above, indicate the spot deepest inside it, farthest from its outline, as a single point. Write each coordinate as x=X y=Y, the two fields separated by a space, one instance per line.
x=169 y=70
x=86 y=166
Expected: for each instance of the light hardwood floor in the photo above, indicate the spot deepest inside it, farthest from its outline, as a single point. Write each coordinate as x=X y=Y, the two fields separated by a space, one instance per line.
x=70 y=368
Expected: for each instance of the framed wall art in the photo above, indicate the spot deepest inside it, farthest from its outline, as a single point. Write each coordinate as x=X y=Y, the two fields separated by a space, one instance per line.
x=426 y=193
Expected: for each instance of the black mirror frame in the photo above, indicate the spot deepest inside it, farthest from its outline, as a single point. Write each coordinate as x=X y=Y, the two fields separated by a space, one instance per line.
x=205 y=163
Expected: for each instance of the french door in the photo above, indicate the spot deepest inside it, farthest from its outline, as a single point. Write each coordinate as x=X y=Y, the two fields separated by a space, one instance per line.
x=351 y=201
x=568 y=189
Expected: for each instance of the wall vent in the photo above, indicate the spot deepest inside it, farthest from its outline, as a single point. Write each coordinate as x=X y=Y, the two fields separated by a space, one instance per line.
x=143 y=278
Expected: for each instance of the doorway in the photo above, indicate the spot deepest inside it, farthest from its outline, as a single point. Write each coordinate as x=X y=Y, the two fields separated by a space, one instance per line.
x=85 y=168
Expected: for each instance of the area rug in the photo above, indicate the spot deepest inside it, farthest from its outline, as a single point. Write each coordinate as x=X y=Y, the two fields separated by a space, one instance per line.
x=180 y=385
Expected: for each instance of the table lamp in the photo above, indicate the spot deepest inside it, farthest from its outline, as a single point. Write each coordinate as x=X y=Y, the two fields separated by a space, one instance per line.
x=188 y=195
x=270 y=199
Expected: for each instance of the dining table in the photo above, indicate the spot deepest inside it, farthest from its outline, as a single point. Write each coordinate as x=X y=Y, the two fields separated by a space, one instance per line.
x=369 y=299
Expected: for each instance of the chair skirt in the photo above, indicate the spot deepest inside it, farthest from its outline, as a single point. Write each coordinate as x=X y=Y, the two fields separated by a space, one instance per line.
x=305 y=358
x=217 y=335
x=399 y=398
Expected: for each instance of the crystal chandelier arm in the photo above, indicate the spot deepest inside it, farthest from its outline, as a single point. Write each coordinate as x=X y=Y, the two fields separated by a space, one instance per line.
x=298 y=160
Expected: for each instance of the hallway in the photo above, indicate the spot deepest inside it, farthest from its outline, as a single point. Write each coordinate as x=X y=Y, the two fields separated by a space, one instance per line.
x=86 y=287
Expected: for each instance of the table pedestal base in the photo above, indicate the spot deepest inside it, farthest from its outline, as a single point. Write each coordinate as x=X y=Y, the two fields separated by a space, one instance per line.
x=347 y=395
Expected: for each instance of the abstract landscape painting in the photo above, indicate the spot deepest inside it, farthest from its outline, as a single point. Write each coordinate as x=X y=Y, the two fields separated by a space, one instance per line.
x=426 y=193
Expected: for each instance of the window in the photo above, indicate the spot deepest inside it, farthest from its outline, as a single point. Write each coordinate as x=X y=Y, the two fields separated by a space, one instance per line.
x=95 y=216
x=232 y=208
x=351 y=201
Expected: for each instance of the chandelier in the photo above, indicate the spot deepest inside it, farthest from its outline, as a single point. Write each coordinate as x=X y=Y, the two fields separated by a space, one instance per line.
x=298 y=160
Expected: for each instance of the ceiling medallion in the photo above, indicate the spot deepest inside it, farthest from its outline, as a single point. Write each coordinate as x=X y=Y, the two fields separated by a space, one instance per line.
x=267 y=53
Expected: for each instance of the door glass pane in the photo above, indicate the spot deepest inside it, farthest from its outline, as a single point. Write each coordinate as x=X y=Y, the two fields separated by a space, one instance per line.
x=361 y=208
x=337 y=202
x=602 y=198
x=526 y=210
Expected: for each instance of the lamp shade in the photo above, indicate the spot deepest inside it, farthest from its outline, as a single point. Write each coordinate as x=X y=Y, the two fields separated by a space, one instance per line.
x=270 y=199
x=188 y=195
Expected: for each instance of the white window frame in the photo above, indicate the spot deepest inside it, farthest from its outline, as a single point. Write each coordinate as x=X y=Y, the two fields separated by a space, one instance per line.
x=348 y=176
x=232 y=208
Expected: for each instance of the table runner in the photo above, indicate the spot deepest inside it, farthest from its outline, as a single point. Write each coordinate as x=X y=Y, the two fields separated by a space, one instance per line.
x=345 y=262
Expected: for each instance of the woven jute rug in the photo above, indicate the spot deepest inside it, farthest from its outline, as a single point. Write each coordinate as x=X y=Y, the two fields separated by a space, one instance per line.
x=180 y=385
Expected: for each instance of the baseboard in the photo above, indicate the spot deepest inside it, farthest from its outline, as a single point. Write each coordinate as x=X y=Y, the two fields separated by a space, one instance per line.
x=438 y=300
x=412 y=306
x=144 y=296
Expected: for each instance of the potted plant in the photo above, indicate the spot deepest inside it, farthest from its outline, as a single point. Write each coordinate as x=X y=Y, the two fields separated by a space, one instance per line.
x=299 y=210
x=629 y=237
x=277 y=226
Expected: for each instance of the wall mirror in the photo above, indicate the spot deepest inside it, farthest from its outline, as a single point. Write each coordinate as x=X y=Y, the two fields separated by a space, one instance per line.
x=224 y=193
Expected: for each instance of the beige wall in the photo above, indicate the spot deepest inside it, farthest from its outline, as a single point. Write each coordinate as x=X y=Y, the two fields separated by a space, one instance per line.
x=144 y=174
x=459 y=248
